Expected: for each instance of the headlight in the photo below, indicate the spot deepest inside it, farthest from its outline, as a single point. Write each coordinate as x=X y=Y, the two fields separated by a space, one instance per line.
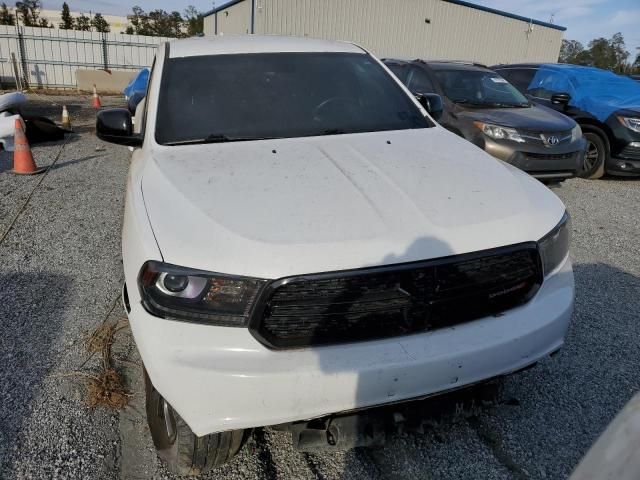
x=576 y=133
x=175 y=292
x=554 y=247
x=631 y=123
x=499 y=133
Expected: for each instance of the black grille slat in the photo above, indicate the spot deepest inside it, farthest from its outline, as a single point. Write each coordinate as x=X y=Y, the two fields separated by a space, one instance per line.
x=395 y=300
x=550 y=156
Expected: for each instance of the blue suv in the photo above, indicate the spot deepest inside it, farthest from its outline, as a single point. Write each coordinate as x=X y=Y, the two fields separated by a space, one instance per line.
x=606 y=105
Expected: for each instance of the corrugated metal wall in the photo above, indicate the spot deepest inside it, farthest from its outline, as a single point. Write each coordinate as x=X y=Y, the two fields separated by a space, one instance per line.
x=431 y=29
x=209 y=25
x=236 y=19
x=49 y=57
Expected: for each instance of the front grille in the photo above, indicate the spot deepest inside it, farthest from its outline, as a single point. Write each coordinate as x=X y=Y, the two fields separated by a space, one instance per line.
x=544 y=138
x=548 y=156
x=632 y=153
x=402 y=299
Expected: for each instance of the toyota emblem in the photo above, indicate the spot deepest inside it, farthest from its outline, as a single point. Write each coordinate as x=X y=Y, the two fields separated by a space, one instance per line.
x=553 y=140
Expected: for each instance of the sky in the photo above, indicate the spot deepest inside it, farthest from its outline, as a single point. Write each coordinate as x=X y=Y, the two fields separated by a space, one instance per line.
x=584 y=19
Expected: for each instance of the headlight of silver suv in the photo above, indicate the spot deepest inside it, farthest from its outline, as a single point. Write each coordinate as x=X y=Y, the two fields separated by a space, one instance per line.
x=554 y=246
x=499 y=133
x=576 y=133
x=175 y=292
x=631 y=123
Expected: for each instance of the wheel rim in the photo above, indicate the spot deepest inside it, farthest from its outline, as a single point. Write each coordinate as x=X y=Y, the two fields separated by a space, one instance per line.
x=591 y=156
x=165 y=412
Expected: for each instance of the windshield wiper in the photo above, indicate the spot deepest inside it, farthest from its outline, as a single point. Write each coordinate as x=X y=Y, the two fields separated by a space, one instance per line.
x=216 y=138
x=332 y=131
x=491 y=104
x=509 y=105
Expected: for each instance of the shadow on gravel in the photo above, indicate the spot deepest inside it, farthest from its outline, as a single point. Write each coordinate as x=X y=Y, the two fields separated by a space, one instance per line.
x=31 y=306
x=619 y=178
x=73 y=162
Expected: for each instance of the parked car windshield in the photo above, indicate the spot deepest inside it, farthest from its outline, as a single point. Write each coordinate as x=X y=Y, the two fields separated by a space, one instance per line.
x=480 y=88
x=221 y=98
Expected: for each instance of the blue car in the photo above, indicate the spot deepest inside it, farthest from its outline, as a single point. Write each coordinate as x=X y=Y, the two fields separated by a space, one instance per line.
x=606 y=105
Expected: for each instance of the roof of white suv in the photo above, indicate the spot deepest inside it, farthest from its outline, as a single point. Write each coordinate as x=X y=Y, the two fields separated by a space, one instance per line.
x=230 y=44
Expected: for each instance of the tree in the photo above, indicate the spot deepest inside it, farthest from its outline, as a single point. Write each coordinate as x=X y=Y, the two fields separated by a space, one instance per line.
x=569 y=51
x=6 y=17
x=194 y=21
x=100 y=24
x=139 y=22
x=67 y=19
x=83 y=23
x=29 y=13
x=155 y=23
x=609 y=54
x=619 y=51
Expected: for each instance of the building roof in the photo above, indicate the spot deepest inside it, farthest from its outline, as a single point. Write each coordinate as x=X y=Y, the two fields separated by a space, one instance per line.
x=221 y=7
x=455 y=2
x=230 y=44
x=500 y=12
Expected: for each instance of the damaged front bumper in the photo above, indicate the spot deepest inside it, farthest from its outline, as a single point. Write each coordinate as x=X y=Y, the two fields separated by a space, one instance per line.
x=221 y=378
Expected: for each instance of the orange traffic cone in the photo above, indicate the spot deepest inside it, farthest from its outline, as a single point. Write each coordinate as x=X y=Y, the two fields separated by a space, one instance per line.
x=23 y=163
x=66 y=122
x=96 y=99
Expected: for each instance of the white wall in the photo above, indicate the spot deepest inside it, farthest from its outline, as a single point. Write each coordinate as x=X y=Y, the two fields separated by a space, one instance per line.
x=235 y=20
x=429 y=29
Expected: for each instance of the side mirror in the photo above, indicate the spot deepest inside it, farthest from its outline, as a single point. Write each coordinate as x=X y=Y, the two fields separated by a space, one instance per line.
x=560 y=98
x=432 y=104
x=114 y=125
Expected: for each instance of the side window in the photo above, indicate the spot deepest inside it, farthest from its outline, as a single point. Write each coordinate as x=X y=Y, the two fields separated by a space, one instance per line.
x=418 y=81
x=399 y=71
x=519 y=78
x=547 y=82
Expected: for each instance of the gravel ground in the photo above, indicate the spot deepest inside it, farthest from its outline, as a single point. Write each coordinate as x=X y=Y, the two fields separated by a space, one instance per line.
x=60 y=277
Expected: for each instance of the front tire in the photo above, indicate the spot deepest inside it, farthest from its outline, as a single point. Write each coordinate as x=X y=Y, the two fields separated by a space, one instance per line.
x=595 y=157
x=183 y=452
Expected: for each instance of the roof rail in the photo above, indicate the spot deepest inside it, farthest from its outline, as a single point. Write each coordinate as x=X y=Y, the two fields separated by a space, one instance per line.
x=459 y=62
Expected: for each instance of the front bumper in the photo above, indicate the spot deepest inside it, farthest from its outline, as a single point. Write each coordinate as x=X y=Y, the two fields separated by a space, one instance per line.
x=626 y=162
x=221 y=378
x=553 y=163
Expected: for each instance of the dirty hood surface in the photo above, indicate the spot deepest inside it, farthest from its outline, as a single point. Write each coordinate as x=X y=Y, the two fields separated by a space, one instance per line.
x=274 y=208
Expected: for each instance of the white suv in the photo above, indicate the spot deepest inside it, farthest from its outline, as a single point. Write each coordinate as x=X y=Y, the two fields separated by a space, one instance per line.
x=302 y=240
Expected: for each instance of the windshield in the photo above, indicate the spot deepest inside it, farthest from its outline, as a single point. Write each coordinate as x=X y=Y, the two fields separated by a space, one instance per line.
x=221 y=98
x=480 y=88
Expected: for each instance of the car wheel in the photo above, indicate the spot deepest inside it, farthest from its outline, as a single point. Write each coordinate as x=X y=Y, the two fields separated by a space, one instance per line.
x=595 y=157
x=183 y=452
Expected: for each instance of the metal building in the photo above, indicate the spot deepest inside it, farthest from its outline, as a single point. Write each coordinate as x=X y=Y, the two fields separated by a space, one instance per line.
x=431 y=29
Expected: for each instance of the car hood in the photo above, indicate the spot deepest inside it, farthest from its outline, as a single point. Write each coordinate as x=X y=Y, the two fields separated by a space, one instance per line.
x=536 y=118
x=274 y=208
